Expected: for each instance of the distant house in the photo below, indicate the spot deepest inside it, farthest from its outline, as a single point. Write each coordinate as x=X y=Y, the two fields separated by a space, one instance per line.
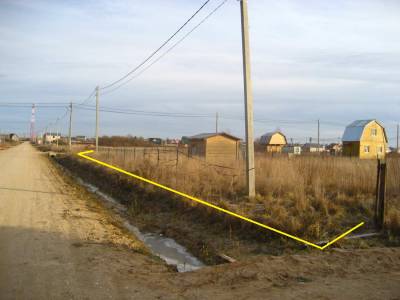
x=14 y=137
x=334 y=148
x=156 y=141
x=172 y=142
x=312 y=148
x=292 y=149
x=365 y=139
x=273 y=142
x=50 y=137
x=184 y=140
x=214 y=146
x=3 y=138
x=80 y=138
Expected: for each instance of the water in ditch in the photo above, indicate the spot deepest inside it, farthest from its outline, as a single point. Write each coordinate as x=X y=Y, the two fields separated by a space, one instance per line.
x=165 y=248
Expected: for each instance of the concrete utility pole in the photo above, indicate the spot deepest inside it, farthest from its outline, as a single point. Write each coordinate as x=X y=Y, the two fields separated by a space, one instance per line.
x=70 y=127
x=97 y=118
x=216 y=122
x=248 y=98
x=318 y=137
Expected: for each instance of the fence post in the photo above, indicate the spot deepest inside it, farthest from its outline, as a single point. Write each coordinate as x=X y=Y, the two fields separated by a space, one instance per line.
x=176 y=167
x=177 y=157
x=380 y=195
x=158 y=156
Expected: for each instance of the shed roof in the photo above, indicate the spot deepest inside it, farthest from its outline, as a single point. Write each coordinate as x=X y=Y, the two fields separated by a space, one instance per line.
x=203 y=136
x=266 y=138
x=354 y=131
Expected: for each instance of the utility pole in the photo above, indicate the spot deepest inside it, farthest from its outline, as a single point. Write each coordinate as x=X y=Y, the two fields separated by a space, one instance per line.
x=57 y=130
x=216 y=122
x=397 y=138
x=318 y=137
x=70 y=127
x=32 y=129
x=248 y=98
x=97 y=118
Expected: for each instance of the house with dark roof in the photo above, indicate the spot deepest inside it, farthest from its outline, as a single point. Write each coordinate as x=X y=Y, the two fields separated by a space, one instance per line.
x=365 y=139
x=273 y=142
x=214 y=146
x=313 y=148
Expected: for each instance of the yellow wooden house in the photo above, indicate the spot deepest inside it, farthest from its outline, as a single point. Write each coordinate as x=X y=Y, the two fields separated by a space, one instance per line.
x=214 y=146
x=365 y=139
x=273 y=142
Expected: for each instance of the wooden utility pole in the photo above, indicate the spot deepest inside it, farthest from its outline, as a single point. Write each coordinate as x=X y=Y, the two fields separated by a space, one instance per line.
x=248 y=98
x=97 y=118
x=70 y=127
x=216 y=122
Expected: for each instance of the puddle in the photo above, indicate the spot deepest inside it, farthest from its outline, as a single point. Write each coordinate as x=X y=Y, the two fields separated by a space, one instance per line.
x=165 y=248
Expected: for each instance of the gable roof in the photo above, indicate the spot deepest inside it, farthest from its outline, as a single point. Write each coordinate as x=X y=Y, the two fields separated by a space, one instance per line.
x=203 y=136
x=354 y=131
x=266 y=138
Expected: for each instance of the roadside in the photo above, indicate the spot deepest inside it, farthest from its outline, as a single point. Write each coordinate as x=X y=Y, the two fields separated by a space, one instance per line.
x=57 y=242
x=205 y=232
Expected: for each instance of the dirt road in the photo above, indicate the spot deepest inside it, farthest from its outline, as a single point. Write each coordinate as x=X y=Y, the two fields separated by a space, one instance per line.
x=57 y=242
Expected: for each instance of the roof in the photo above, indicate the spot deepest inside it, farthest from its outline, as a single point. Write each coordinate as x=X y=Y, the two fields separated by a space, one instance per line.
x=266 y=138
x=203 y=136
x=354 y=131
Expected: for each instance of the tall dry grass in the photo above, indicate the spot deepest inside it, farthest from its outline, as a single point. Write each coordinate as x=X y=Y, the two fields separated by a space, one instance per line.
x=314 y=197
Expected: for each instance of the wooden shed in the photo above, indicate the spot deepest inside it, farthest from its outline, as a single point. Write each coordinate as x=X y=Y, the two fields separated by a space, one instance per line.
x=214 y=146
x=273 y=142
x=365 y=139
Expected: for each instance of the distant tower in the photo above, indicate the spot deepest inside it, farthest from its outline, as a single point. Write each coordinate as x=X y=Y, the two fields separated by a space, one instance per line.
x=33 y=123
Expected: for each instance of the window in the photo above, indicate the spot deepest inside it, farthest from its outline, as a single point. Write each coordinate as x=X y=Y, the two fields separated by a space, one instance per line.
x=374 y=131
x=366 y=149
x=379 y=149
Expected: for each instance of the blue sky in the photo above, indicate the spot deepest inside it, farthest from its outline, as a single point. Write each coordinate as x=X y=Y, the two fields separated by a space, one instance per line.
x=331 y=60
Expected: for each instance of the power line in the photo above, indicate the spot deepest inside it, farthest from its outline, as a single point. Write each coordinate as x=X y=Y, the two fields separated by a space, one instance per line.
x=157 y=50
x=169 y=49
x=87 y=100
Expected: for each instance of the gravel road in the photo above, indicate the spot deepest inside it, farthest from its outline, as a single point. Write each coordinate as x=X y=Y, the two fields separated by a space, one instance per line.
x=58 y=242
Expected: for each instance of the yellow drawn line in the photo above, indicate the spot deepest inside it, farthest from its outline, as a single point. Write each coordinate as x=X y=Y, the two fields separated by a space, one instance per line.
x=83 y=154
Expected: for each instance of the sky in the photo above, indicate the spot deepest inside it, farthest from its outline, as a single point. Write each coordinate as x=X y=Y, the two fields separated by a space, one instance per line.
x=336 y=61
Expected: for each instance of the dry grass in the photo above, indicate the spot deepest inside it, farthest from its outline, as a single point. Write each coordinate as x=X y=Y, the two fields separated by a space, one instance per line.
x=314 y=197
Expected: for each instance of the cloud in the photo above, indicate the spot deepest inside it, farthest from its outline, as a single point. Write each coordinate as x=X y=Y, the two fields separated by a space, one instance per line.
x=335 y=60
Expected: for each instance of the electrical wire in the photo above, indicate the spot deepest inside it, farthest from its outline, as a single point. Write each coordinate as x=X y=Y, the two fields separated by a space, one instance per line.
x=87 y=100
x=156 y=51
x=167 y=51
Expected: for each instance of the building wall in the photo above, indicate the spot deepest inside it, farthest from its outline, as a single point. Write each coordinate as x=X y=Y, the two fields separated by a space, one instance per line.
x=197 y=148
x=277 y=139
x=292 y=149
x=351 y=149
x=220 y=148
x=376 y=143
x=274 y=148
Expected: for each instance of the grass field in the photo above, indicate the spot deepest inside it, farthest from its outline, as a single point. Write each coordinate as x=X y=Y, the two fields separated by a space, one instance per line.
x=311 y=196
